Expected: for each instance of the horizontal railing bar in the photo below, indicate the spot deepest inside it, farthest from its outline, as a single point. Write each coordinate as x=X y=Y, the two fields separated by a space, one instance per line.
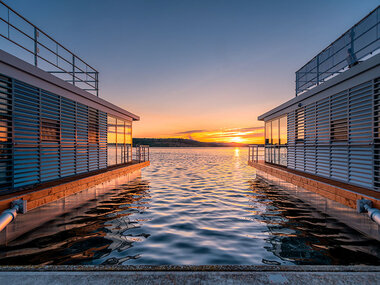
x=42 y=32
x=16 y=44
x=331 y=51
x=69 y=62
x=63 y=70
x=21 y=28
x=16 y=28
x=345 y=33
x=70 y=72
x=47 y=48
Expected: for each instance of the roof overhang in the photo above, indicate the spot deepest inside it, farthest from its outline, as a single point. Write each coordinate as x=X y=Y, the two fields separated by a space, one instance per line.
x=358 y=74
x=16 y=68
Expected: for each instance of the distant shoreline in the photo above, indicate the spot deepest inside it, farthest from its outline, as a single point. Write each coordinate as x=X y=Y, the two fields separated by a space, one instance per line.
x=195 y=146
x=177 y=142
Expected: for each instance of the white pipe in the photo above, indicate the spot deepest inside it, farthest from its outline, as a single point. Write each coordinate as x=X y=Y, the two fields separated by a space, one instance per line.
x=365 y=205
x=17 y=206
x=8 y=216
x=373 y=213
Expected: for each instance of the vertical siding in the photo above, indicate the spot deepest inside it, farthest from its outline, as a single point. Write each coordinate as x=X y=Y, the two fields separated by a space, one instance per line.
x=322 y=137
x=68 y=137
x=299 y=139
x=6 y=161
x=338 y=149
x=26 y=134
x=338 y=142
x=102 y=140
x=310 y=138
x=376 y=132
x=52 y=136
x=291 y=141
x=360 y=134
x=50 y=150
x=93 y=139
x=82 y=139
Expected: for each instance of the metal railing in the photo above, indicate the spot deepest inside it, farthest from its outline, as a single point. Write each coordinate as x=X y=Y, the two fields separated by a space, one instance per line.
x=46 y=53
x=142 y=153
x=276 y=154
x=128 y=153
x=357 y=44
x=255 y=152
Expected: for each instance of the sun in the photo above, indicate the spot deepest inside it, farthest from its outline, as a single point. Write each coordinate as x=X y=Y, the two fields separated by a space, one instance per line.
x=237 y=140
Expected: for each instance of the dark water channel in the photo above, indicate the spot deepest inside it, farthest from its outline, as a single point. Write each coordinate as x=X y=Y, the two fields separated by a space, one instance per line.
x=195 y=206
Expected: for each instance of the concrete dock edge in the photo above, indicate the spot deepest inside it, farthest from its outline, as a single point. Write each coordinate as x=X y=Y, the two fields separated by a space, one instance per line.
x=172 y=274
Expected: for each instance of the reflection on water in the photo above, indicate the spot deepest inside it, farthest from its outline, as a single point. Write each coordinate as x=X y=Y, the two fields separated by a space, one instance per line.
x=196 y=206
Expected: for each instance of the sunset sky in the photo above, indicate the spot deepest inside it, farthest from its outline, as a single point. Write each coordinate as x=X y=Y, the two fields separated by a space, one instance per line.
x=196 y=69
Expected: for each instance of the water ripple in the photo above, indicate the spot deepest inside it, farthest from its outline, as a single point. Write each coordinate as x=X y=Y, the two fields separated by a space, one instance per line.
x=196 y=206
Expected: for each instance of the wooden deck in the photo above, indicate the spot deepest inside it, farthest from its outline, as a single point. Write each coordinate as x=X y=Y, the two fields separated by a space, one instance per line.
x=52 y=191
x=343 y=193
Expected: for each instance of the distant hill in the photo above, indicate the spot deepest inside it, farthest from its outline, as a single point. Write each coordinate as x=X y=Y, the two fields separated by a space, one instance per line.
x=152 y=142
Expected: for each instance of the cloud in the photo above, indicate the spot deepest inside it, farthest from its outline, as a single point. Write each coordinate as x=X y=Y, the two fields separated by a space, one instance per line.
x=246 y=135
x=248 y=129
x=190 y=132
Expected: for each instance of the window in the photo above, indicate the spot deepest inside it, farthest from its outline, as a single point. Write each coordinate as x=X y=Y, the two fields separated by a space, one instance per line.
x=283 y=130
x=119 y=141
x=50 y=130
x=339 y=130
x=93 y=126
x=275 y=132
x=268 y=132
x=300 y=125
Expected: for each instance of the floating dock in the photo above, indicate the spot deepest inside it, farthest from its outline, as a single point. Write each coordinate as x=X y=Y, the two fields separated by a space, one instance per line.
x=58 y=136
x=327 y=138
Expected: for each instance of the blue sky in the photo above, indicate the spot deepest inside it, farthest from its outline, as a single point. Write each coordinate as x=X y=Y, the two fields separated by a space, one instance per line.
x=195 y=65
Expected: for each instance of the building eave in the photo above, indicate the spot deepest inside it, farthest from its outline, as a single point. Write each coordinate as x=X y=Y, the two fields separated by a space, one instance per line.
x=15 y=67
x=364 y=66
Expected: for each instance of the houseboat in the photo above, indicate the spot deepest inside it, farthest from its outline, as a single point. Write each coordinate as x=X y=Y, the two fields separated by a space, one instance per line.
x=58 y=136
x=326 y=138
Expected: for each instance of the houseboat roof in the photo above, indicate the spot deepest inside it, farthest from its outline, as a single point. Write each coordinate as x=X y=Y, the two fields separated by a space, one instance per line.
x=371 y=65
x=50 y=64
x=18 y=68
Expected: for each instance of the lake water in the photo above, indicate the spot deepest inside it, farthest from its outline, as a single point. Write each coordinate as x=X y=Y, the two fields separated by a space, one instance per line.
x=196 y=206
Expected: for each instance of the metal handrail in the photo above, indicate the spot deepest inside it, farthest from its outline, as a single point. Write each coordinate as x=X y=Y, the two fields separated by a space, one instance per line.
x=142 y=153
x=277 y=157
x=330 y=62
x=90 y=76
x=253 y=152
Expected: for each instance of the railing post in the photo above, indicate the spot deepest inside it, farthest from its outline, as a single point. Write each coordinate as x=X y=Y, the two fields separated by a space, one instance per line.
x=318 y=69
x=97 y=83
x=265 y=154
x=74 y=70
x=35 y=46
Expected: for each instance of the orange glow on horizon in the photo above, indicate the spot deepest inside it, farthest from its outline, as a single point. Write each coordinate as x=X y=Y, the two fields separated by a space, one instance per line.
x=254 y=135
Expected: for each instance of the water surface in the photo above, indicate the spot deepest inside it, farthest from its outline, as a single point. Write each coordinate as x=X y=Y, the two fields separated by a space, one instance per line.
x=195 y=206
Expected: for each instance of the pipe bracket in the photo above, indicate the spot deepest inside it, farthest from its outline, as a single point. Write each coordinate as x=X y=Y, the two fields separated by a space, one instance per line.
x=21 y=205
